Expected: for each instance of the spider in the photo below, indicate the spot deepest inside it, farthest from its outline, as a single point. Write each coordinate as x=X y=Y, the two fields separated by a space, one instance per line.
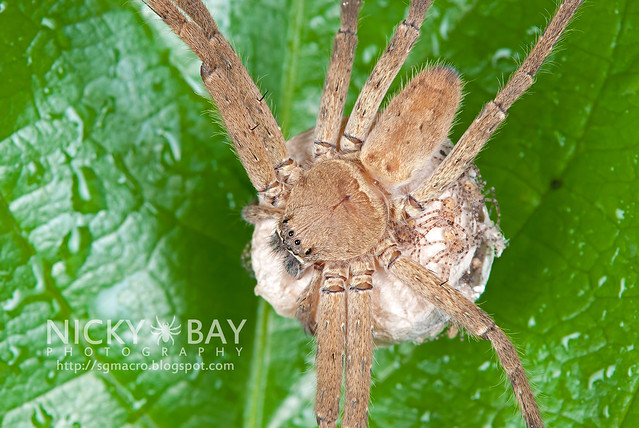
x=370 y=215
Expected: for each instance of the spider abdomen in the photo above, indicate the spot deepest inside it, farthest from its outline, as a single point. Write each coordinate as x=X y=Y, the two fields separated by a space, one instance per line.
x=334 y=212
x=412 y=127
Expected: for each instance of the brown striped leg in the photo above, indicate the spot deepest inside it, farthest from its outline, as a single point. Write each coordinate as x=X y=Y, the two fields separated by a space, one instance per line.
x=255 y=213
x=255 y=133
x=359 y=344
x=484 y=125
x=331 y=335
x=307 y=302
x=383 y=74
x=198 y=12
x=338 y=76
x=468 y=315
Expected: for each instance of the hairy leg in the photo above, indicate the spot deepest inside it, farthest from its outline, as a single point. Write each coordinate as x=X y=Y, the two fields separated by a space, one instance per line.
x=255 y=213
x=468 y=315
x=359 y=343
x=338 y=76
x=331 y=336
x=484 y=125
x=307 y=302
x=375 y=88
x=250 y=124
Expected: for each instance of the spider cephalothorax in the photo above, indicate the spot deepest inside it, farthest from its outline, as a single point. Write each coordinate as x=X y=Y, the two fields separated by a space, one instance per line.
x=334 y=213
x=381 y=227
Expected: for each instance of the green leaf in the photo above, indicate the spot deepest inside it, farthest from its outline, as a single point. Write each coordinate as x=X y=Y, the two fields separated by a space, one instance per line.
x=120 y=200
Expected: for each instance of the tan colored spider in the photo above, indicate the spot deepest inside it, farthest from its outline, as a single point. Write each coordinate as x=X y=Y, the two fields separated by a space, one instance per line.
x=370 y=217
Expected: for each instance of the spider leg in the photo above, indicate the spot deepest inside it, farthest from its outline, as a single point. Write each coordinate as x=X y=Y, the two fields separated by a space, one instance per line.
x=338 y=76
x=359 y=343
x=484 y=125
x=466 y=314
x=308 y=300
x=387 y=67
x=198 y=12
x=256 y=213
x=331 y=335
x=257 y=138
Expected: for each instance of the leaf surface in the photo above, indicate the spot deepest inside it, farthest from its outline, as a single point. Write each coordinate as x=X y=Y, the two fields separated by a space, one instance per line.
x=119 y=199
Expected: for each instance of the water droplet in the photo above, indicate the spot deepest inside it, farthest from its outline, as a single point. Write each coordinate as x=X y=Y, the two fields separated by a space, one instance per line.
x=598 y=375
x=444 y=27
x=561 y=139
x=369 y=53
x=195 y=372
x=3 y=6
x=50 y=376
x=174 y=146
x=499 y=54
x=622 y=287
x=73 y=147
x=229 y=196
x=105 y=109
x=317 y=22
x=41 y=417
x=13 y=302
x=566 y=339
x=137 y=405
x=15 y=355
x=73 y=244
x=83 y=188
x=49 y=23
x=533 y=30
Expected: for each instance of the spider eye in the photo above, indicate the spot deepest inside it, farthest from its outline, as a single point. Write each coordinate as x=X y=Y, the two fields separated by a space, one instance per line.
x=285 y=221
x=308 y=251
x=298 y=242
x=290 y=233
